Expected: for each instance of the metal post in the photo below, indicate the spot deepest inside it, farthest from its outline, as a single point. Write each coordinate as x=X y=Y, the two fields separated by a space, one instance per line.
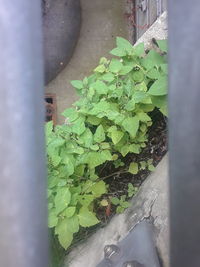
x=23 y=216
x=184 y=131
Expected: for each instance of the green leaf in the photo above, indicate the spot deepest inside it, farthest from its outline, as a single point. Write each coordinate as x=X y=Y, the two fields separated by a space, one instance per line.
x=65 y=237
x=151 y=168
x=70 y=113
x=115 y=65
x=115 y=201
x=69 y=212
x=159 y=87
x=95 y=159
x=99 y=135
x=87 y=138
x=62 y=199
x=125 y=70
x=100 y=87
x=52 y=218
x=116 y=136
x=73 y=224
x=133 y=168
x=93 y=120
x=153 y=73
x=124 y=44
x=125 y=149
x=162 y=44
x=139 y=49
x=49 y=127
x=119 y=52
x=78 y=126
x=130 y=105
x=87 y=218
x=108 y=77
x=131 y=125
x=120 y=209
x=142 y=116
x=106 y=155
x=77 y=84
x=101 y=69
x=138 y=76
x=98 y=189
x=86 y=200
x=104 y=203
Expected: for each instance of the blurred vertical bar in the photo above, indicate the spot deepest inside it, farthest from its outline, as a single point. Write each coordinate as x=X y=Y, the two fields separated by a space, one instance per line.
x=23 y=215
x=184 y=131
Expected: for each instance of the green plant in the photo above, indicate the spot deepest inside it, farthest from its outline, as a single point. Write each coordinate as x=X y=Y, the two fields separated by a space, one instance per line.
x=109 y=121
x=121 y=203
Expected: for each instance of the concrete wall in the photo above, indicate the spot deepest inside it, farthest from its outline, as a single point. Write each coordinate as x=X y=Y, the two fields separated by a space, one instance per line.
x=102 y=21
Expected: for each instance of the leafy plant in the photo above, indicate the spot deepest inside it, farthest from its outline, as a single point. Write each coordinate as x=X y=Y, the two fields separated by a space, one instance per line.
x=110 y=120
x=121 y=203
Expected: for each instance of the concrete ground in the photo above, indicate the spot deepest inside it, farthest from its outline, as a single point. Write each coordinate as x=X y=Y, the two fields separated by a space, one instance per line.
x=102 y=21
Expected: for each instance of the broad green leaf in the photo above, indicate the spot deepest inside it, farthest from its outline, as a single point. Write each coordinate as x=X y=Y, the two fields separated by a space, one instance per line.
x=155 y=58
x=159 y=87
x=108 y=77
x=130 y=105
x=105 y=145
x=78 y=126
x=162 y=44
x=70 y=113
x=95 y=159
x=69 y=212
x=115 y=65
x=125 y=149
x=65 y=237
x=94 y=120
x=139 y=49
x=164 y=68
x=87 y=218
x=124 y=44
x=159 y=101
x=141 y=87
x=99 y=135
x=153 y=73
x=106 y=155
x=131 y=125
x=99 y=189
x=164 y=110
x=101 y=69
x=86 y=199
x=139 y=96
x=100 y=87
x=125 y=70
x=151 y=168
x=49 y=127
x=94 y=147
x=119 y=52
x=115 y=200
x=73 y=224
x=87 y=137
x=142 y=116
x=138 y=76
x=62 y=199
x=69 y=165
x=77 y=84
x=134 y=148
x=133 y=168
x=116 y=136
x=52 y=218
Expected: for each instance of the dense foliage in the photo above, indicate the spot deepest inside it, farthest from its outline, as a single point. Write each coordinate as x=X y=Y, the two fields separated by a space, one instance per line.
x=109 y=121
